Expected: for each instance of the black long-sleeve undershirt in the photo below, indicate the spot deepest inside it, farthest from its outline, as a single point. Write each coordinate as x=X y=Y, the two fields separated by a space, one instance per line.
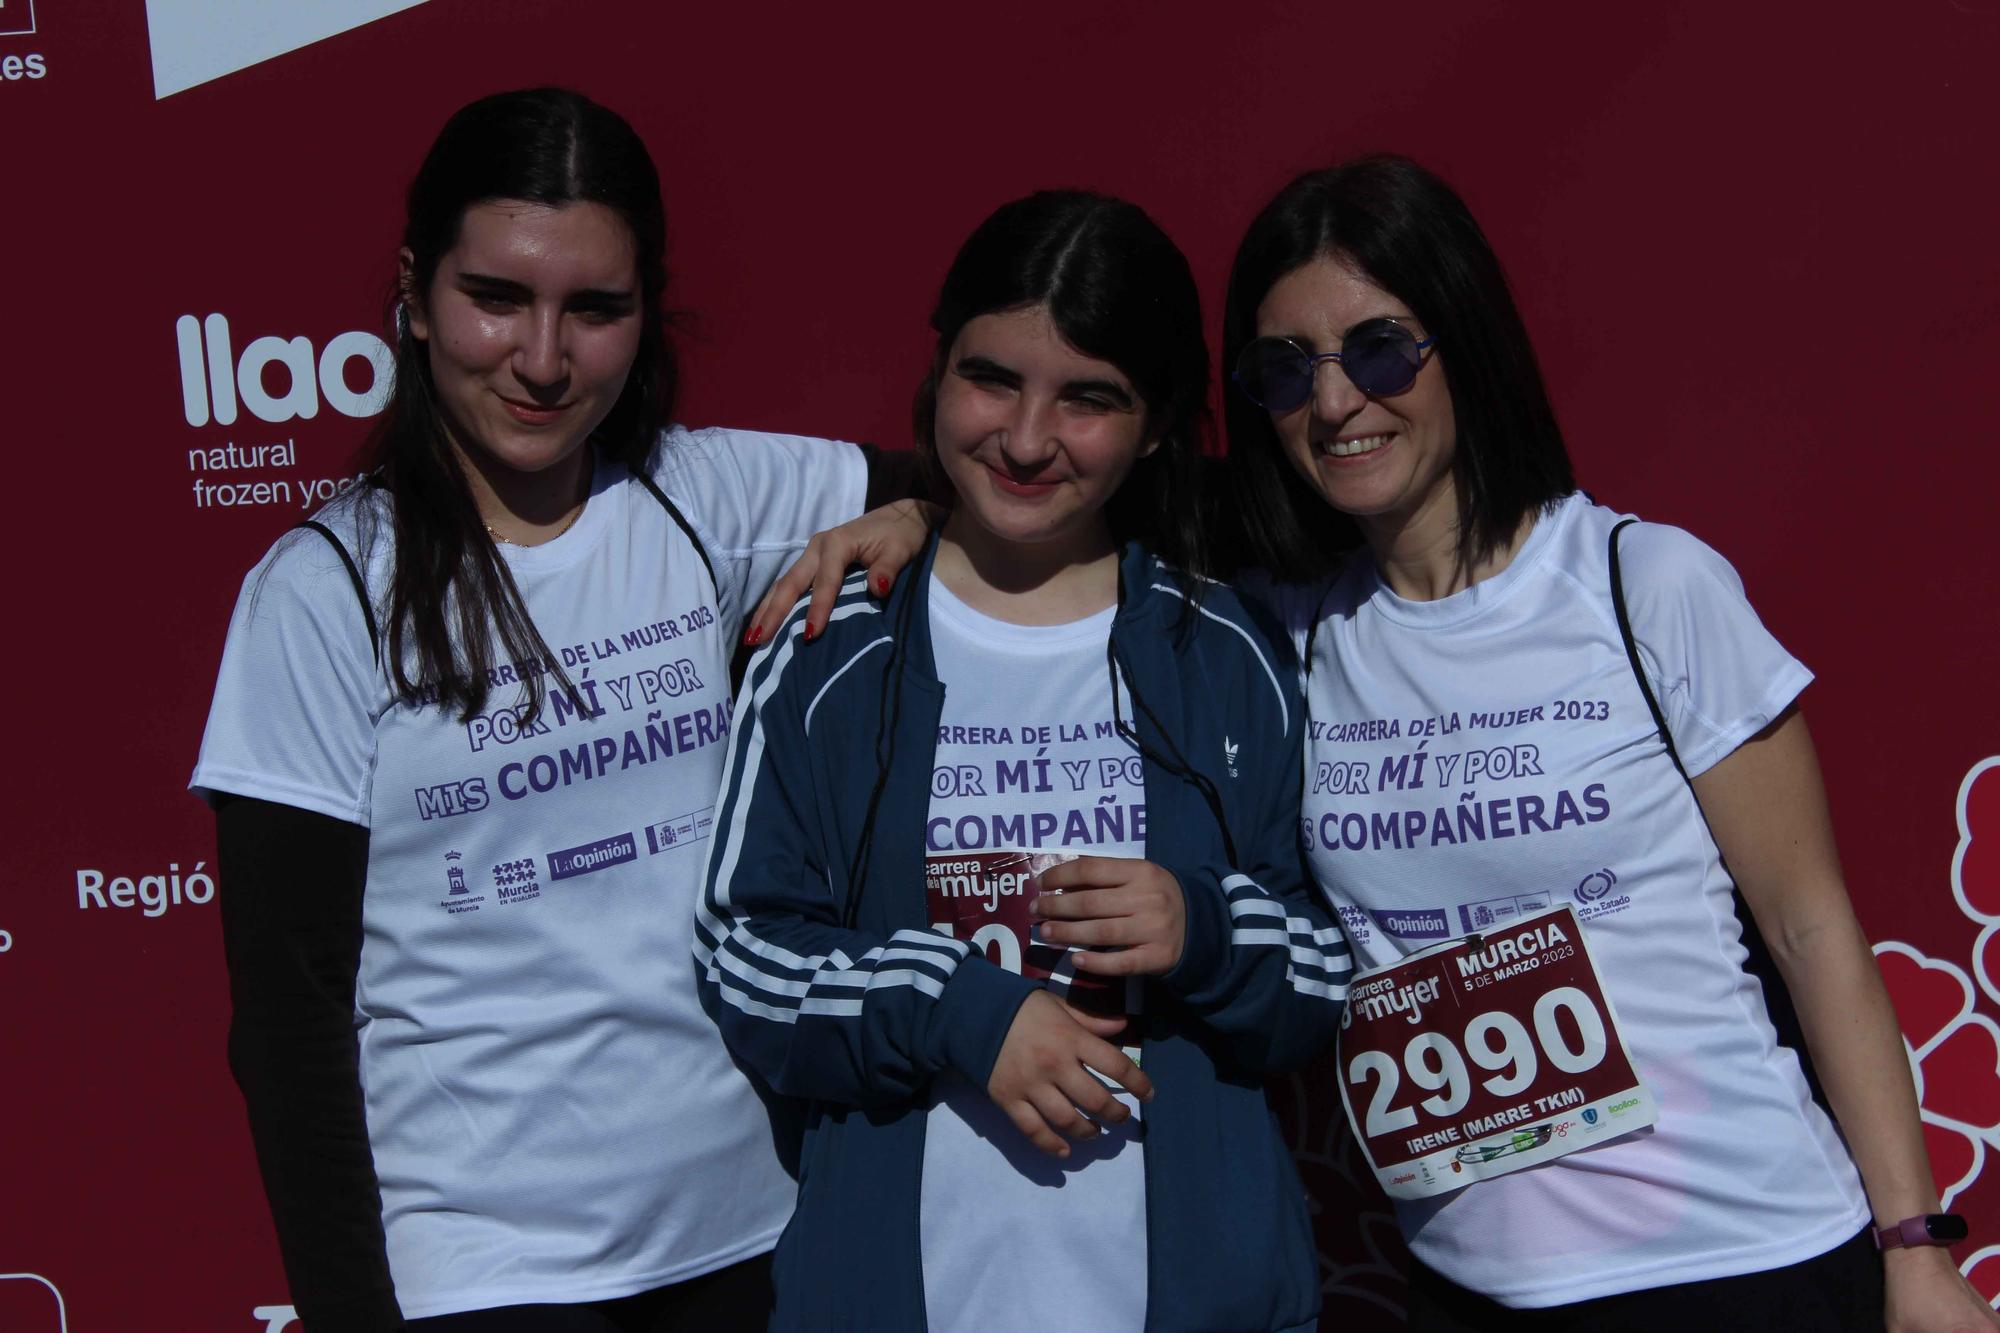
x=291 y=885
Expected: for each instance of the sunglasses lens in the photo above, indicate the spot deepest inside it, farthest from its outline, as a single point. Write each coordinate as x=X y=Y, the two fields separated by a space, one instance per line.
x=1381 y=357
x=1275 y=374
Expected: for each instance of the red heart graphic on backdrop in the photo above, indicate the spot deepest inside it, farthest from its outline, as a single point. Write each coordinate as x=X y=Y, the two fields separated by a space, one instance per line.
x=1979 y=871
x=1985 y=1277
x=1927 y=999
x=28 y=1304
x=1987 y=959
x=1962 y=1077
x=1953 y=1156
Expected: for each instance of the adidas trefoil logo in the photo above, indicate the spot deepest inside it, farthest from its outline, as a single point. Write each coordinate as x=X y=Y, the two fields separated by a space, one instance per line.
x=1229 y=749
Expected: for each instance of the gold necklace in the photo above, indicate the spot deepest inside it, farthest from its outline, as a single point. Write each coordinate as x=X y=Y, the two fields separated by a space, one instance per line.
x=500 y=540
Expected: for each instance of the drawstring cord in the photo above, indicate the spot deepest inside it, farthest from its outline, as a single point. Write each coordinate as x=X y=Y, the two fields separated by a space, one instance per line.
x=1177 y=764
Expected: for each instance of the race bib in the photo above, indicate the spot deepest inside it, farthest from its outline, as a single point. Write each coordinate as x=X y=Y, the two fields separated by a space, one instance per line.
x=982 y=898
x=1484 y=1055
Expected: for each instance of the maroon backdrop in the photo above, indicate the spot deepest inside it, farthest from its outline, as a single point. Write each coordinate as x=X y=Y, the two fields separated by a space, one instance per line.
x=1753 y=248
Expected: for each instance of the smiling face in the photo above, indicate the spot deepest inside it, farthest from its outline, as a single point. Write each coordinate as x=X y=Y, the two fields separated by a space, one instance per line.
x=1035 y=436
x=1386 y=461
x=531 y=325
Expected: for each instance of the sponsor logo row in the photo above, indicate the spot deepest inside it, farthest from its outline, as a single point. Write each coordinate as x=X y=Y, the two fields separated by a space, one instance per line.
x=520 y=880
x=1596 y=895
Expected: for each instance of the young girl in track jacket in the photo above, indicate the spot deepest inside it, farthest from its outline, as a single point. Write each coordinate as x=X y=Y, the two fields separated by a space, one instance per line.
x=1057 y=679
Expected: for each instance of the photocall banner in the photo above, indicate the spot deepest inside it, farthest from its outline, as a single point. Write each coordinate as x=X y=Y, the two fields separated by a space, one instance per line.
x=1754 y=252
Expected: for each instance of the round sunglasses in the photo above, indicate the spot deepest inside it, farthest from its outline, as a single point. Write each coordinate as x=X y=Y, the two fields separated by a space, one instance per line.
x=1380 y=356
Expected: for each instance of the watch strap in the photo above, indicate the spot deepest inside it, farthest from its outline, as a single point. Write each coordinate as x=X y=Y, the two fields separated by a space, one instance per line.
x=1923 y=1229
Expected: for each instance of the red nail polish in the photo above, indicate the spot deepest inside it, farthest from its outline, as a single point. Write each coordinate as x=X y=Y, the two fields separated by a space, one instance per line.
x=882 y=585
x=811 y=633
x=751 y=636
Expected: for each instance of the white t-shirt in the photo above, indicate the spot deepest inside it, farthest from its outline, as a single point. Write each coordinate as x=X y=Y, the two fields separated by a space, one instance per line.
x=552 y=1116
x=1028 y=760
x=1489 y=754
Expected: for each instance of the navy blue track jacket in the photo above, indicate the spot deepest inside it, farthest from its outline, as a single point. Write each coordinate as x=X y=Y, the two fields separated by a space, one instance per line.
x=854 y=1006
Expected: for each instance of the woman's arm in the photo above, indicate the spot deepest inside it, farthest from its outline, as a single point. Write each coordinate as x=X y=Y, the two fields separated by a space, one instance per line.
x=884 y=539
x=1766 y=807
x=291 y=884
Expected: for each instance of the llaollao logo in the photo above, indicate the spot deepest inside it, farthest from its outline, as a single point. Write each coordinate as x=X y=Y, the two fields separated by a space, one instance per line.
x=216 y=380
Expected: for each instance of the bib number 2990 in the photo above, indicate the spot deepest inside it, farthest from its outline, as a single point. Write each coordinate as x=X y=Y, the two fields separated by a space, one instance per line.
x=1484 y=1055
x=1497 y=1043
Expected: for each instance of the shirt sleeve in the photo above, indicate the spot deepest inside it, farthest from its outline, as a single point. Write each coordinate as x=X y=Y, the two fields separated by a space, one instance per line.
x=292 y=884
x=1719 y=675
x=293 y=718
x=755 y=499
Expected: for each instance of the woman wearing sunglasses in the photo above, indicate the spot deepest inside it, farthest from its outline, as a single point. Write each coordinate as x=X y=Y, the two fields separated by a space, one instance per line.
x=1484 y=750
x=986 y=1150
x=464 y=750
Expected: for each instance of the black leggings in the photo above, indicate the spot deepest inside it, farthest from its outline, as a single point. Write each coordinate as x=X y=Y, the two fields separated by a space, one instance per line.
x=1837 y=1291
x=736 y=1299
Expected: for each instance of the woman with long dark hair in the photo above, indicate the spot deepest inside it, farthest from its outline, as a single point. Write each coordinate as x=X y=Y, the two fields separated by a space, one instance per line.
x=1056 y=698
x=1531 y=715
x=464 y=751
